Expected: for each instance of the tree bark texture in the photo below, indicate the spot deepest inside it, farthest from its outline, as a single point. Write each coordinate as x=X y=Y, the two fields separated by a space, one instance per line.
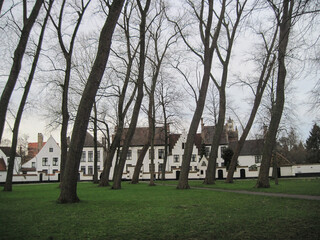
x=16 y=65
x=69 y=185
x=285 y=27
x=8 y=183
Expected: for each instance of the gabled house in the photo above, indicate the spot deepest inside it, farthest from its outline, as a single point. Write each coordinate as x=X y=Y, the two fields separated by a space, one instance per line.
x=47 y=160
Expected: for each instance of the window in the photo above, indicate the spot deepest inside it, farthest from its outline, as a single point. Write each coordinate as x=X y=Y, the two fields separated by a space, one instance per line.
x=55 y=161
x=45 y=161
x=50 y=149
x=98 y=168
x=160 y=167
x=193 y=158
x=90 y=170
x=222 y=164
x=90 y=157
x=176 y=158
x=257 y=159
x=98 y=154
x=183 y=144
x=129 y=155
x=33 y=165
x=83 y=156
x=160 y=153
x=83 y=169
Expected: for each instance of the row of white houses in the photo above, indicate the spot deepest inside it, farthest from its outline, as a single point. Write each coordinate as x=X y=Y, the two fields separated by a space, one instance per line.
x=45 y=165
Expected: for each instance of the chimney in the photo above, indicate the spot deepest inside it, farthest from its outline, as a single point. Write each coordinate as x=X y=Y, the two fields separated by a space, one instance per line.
x=40 y=141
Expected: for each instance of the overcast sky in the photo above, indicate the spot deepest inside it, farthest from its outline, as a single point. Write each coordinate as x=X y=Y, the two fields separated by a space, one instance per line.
x=303 y=82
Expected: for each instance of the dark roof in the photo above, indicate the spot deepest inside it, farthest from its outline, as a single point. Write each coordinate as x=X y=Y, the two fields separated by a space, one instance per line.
x=250 y=147
x=2 y=165
x=89 y=141
x=208 y=132
x=6 y=151
x=140 y=136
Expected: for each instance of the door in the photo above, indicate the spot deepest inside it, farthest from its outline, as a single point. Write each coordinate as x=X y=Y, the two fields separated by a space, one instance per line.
x=220 y=174
x=242 y=173
x=40 y=177
x=177 y=175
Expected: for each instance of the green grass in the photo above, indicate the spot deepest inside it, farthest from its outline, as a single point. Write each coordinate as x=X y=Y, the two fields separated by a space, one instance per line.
x=161 y=212
x=303 y=186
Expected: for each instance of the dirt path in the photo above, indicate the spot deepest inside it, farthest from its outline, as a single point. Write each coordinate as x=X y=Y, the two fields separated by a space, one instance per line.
x=283 y=195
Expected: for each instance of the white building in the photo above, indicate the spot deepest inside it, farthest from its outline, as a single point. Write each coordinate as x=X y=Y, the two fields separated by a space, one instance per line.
x=87 y=159
x=4 y=163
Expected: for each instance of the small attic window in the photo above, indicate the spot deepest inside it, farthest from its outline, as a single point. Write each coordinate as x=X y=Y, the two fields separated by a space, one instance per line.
x=50 y=149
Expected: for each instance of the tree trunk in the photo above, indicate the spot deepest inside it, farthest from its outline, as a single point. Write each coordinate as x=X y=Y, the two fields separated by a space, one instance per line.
x=285 y=27
x=16 y=65
x=95 y=140
x=259 y=93
x=8 y=183
x=208 y=54
x=69 y=185
x=211 y=169
x=165 y=158
x=137 y=105
x=137 y=169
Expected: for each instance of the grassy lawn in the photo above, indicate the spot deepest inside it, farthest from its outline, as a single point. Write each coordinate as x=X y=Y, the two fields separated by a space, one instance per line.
x=307 y=186
x=160 y=212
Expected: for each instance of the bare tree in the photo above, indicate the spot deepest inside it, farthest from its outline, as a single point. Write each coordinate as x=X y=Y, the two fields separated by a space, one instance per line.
x=69 y=185
x=13 y=152
x=209 y=41
x=266 y=71
x=67 y=53
x=28 y=23
x=231 y=34
x=135 y=114
x=286 y=9
x=122 y=106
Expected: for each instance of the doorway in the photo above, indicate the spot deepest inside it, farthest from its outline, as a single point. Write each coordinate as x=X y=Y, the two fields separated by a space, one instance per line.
x=177 y=175
x=220 y=174
x=242 y=173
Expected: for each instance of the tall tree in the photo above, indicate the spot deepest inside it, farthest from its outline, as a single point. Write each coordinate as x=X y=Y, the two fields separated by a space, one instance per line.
x=122 y=107
x=67 y=53
x=135 y=114
x=13 y=152
x=266 y=71
x=313 y=145
x=285 y=23
x=28 y=23
x=231 y=34
x=209 y=41
x=69 y=185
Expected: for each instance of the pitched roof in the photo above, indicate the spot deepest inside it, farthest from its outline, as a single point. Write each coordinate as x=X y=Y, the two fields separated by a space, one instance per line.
x=6 y=151
x=173 y=139
x=140 y=136
x=250 y=147
x=2 y=165
x=89 y=141
x=208 y=132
